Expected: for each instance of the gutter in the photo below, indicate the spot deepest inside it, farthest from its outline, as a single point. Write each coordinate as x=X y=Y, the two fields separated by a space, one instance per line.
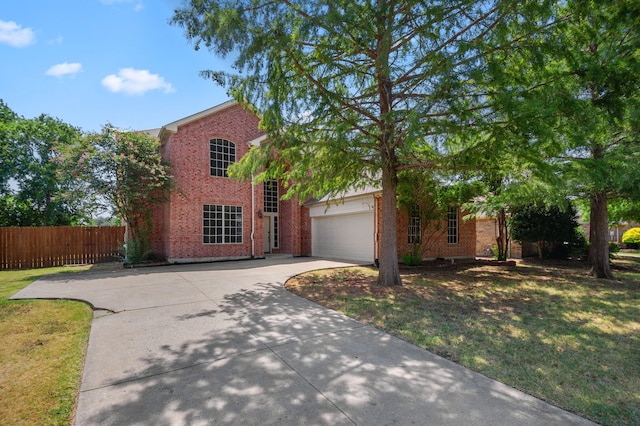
x=253 y=217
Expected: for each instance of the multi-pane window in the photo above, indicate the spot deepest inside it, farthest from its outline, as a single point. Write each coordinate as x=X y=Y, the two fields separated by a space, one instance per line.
x=414 y=225
x=275 y=232
x=221 y=224
x=452 y=225
x=271 y=206
x=271 y=196
x=222 y=153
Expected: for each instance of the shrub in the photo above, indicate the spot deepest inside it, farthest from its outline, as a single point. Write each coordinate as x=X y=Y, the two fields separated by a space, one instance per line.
x=495 y=253
x=553 y=228
x=632 y=238
x=135 y=252
x=411 y=259
x=613 y=249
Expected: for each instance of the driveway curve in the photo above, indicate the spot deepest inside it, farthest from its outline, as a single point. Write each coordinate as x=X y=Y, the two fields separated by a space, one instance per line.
x=225 y=343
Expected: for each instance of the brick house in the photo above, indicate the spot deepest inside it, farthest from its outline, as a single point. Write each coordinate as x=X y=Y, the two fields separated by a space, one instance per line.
x=212 y=217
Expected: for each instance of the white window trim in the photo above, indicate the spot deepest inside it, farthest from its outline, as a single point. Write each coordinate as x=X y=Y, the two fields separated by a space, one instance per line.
x=226 y=162
x=239 y=237
x=453 y=225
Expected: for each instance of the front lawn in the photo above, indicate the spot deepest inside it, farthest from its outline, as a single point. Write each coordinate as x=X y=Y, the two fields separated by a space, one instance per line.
x=547 y=329
x=42 y=352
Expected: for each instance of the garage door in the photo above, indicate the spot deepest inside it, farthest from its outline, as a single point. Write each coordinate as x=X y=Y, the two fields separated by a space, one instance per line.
x=344 y=236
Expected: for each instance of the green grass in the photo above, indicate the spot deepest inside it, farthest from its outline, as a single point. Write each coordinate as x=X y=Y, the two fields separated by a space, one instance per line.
x=549 y=330
x=42 y=352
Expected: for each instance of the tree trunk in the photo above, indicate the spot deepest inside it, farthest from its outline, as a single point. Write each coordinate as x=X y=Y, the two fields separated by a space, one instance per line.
x=502 y=239
x=389 y=273
x=599 y=237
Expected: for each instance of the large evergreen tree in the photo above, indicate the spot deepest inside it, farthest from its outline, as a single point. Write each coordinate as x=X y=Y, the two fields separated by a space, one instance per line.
x=575 y=90
x=602 y=62
x=353 y=92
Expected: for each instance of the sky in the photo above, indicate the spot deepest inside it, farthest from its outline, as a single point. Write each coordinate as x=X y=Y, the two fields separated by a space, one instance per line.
x=93 y=62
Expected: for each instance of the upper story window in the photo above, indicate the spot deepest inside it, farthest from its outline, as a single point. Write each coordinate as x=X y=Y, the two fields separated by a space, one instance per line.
x=452 y=225
x=414 y=225
x=271 y=196
x=222 y=154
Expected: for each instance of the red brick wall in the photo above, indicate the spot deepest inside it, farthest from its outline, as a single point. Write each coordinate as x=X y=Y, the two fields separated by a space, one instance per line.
x=178 y=224
x=437 y=245
x=435 y=238
x=188 y=151
x=485 y=236
x=305 y=234
x=295 y=227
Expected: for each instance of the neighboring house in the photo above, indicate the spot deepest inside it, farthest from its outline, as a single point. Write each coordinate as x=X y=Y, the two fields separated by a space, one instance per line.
x=212 y=217
x=615 y=232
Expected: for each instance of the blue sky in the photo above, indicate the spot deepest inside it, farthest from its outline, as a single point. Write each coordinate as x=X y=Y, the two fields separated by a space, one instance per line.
x=91 y=62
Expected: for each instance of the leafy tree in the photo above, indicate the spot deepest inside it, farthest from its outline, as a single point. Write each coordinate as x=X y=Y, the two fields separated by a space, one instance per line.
x=354 y=92
x=8 y=147
x=580 y=90
x=545 y=226
x=127 y=169
x=35 y=192
x=605 y=68
x=624 y=210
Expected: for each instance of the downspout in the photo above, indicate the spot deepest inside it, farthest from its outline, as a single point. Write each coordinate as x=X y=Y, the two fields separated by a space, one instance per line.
x=376 y=236
x=253 y=217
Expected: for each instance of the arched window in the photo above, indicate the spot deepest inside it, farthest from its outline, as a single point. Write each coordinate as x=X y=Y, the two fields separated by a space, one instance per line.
x=222 y=154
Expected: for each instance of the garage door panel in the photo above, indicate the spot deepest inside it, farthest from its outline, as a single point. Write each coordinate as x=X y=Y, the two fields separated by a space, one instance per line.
x=343 y=236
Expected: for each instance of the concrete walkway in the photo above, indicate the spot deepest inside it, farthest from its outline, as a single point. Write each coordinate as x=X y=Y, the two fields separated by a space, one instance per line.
x=224 y=343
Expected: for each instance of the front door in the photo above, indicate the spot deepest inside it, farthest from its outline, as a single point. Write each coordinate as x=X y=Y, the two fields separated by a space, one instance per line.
x=266 y=223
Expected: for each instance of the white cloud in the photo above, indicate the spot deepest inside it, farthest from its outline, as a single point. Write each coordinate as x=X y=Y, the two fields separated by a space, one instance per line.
x=135 y=82
x=14 y=35
x=64 y=69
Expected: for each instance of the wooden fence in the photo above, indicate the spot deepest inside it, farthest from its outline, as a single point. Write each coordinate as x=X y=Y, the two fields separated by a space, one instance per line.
x=38 y=247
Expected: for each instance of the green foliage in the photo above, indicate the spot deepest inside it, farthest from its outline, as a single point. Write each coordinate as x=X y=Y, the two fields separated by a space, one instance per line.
x=136 y=251
x=354 y=92
x=624 y=210
x=613 y=249
x=552 y=228
x=496 y=254
x=126 y=168
x=575 y=93
x=432 y=193
x=39 y=194
x=411 y=259
x=631 y=237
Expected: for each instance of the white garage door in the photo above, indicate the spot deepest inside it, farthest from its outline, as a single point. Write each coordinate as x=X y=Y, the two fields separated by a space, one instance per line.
x=344 y=236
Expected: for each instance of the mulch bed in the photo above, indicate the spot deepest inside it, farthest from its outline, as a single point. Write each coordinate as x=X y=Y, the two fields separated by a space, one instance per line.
x=454 y=264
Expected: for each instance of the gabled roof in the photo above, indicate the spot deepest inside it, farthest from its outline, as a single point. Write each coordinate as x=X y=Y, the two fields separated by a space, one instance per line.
x=172 y=127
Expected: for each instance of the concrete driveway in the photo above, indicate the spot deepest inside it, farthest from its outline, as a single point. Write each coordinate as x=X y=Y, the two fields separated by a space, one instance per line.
x=224 y=343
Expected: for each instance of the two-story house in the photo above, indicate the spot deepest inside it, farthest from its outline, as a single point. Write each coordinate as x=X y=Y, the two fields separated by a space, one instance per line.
x=213 y=217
